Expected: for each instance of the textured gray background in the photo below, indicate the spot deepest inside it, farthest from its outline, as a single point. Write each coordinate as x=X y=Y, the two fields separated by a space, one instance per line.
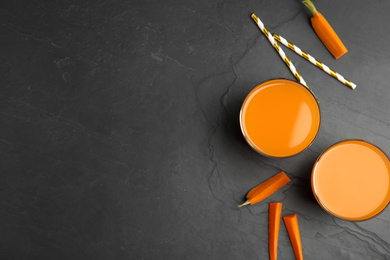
x=120 y=135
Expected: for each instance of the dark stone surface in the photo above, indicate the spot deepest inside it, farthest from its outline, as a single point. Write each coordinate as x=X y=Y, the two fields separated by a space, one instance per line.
x=120 y=135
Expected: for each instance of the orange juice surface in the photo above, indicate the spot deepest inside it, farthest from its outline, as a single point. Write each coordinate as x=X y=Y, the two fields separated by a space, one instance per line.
x=351 y=180
x=280 y=118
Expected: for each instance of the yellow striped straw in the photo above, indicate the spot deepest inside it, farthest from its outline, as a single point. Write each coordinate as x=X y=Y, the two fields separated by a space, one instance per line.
x=314 y=61
x=279 y=50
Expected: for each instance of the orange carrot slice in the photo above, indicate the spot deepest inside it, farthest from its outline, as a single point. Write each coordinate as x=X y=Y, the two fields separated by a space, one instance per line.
x=274 y=214
x=325 y=32
x=266 y=189
x=291 y=222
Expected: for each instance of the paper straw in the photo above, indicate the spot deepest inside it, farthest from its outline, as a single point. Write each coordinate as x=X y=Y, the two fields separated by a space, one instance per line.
x=314 y=61
x=279 y=50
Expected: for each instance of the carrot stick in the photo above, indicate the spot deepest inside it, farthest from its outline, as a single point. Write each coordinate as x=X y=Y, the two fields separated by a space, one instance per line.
x=325 y=32
x=291 y=222
x=274 y=214
x=266 y=189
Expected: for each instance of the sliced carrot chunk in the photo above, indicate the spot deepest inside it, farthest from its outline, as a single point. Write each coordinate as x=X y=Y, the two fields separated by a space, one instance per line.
x=274 y=214
x=266 y=189
x=291 y=223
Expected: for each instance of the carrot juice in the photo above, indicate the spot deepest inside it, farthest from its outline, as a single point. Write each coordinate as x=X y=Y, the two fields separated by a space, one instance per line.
x=280 y=118
x=351 y=180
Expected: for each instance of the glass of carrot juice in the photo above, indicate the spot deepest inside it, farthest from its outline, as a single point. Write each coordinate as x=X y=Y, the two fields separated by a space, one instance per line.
x=280 y=118
x=351 y=180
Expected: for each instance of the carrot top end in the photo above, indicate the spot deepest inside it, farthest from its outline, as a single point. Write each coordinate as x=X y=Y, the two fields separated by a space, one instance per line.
x=310 y=5
x=244 y=204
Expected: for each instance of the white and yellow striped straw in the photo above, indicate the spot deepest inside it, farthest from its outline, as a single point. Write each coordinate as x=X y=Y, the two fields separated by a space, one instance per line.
x=279 y=50
x=314 y=61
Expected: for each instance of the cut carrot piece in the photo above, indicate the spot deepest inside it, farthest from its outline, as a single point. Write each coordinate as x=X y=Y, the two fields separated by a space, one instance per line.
x=291 y=222
x=266 y=189
x=325 y=32
x=274 y=214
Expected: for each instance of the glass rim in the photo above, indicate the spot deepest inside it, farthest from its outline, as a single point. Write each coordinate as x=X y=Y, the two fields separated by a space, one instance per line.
x=313 y=175
x=247 y=139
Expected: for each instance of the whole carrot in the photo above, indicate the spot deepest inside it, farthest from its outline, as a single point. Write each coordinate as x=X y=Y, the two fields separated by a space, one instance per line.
x=266 y=189
x=325 y=32
x=291 y=222
x=274 y=214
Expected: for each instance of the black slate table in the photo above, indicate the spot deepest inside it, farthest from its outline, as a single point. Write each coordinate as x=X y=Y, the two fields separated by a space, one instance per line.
x=120 y=136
